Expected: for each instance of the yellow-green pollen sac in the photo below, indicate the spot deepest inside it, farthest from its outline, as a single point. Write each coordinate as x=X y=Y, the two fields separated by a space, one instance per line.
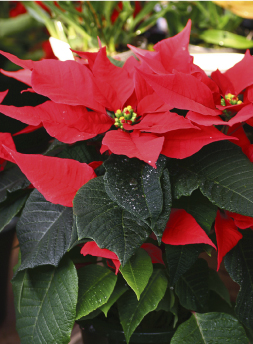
x=232 y=99
x=126 y=116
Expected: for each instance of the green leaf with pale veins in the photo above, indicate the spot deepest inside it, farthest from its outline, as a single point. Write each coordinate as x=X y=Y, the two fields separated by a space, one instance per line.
x=210 y=328
x=224 y=175
x=101 y=219
x=44 y=232
x=96 y=284
x=135 y=185
x=180 y=258
x=120 y=288
x=12 y=180
x=239 y=264
x=45 y=299
x=8 y=211
x=132 y=311
x=192 y=287
x=137 y=271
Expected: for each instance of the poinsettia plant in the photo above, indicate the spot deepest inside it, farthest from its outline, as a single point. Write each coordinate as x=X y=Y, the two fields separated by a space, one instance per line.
x=149 y=167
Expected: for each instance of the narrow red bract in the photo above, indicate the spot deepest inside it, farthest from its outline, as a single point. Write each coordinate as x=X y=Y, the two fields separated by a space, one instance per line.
x=183 y=229
x=227 y=235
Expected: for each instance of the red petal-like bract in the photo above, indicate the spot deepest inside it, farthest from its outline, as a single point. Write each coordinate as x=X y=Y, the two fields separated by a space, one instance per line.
x=225 y=85
x=162 y=123
x=182 y=91
x=67 y=123
x=176 y=48
x=27 y=64
x=241 y=221
x=154 y=252
x=6 y=139
x=3 y=95
x=241 y=74
x=28 y=129
x=227 y=235
x=112 y=81
x=92 y=248
x=183 y=229
x=66 y=82
x=23 y=75
x=205 y=120
x=56 y=179
x=181 y=144
x=146 y=147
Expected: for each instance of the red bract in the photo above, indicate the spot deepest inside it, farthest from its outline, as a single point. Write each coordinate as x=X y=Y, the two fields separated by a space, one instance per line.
x=93 y=249
x=108 y=91
x=57 y=179
x=183 y=229
x=227 y=235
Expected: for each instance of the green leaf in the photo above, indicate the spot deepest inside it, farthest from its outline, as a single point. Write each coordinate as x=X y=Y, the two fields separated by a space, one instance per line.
x=132 y=311
x=224 y=174
x=12 y=180
x=184 y=182
x=226 y=39
x=180 y=258
x=216 y=284
x=217 y=304
x=101 y=219
x=45 y=299
x=13 y=26
x=135 y=186
x=167 y=202
x=238 y=263
x=8 y=211
x=192 y=287
x=137 y=271
x=96 y=284
x=119 y=290
x=80 y=152
x=210 y=328
x=44 y=232
x=199 y=207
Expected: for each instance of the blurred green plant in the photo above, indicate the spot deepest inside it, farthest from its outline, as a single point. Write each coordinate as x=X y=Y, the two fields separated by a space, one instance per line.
x=211 y=24
x=20 y=33
x=80 y=22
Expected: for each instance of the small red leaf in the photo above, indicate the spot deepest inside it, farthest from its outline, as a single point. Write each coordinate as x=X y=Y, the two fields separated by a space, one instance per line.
x=154 y=252
x=94 y=250
x=183 y=229
x=227 y=235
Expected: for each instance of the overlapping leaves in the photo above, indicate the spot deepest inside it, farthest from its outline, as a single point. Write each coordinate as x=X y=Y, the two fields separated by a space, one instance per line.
x=238 y=263
x=42 y=289
x=223 y=174
x=44 y=232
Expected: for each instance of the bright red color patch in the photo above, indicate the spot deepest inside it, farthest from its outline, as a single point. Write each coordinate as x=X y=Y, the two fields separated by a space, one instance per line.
x=56 y=179
x=227 y=235
x=183 y=229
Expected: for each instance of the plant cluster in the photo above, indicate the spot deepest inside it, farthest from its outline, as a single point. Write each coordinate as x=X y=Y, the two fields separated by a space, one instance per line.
x=148 y=166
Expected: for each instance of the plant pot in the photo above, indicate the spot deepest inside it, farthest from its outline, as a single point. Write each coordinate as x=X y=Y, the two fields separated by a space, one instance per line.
x=100 y=332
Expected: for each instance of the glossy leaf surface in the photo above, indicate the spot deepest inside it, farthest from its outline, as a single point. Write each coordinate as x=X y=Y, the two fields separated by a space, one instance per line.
x=210 y=328
x=38 y=290
x=44 y=232
x=101 y=219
